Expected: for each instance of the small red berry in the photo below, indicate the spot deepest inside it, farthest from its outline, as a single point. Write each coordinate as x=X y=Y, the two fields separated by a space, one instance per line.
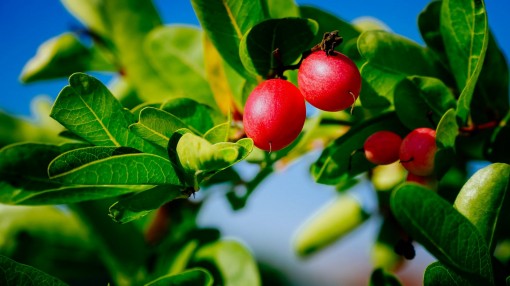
x=274 y=114
x=382 y=147
x=330 y=83
x=418 y=150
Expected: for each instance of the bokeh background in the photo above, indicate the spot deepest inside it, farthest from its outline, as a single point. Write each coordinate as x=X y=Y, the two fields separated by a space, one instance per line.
x=285 y=200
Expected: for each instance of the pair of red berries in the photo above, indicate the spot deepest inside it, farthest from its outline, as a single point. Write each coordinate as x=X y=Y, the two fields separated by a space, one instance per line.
x=275 y=111
x=416 y=151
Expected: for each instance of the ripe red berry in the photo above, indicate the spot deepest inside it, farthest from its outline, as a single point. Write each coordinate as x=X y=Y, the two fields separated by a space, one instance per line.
x=418 y=150
x=382 y=147
x=330 y=83
x=274 y=114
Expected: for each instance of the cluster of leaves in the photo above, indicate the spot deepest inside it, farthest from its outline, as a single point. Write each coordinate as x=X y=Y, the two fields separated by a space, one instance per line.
x=164 y=130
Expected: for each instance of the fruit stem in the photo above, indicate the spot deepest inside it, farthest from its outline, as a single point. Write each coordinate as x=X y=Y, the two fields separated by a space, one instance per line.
x=330 y=40
x=476 y=127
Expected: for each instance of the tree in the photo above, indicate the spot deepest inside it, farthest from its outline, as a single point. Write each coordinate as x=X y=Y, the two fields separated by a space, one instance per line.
x=172 y=126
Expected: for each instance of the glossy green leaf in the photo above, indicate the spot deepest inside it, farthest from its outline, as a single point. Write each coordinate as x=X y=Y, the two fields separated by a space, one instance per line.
x=282 y=8
x=234 y=262
x=328 y=23
x=191 y=277
x=142 y=203
x=60 y=57
x=176 y=53
x=201 y=159
x=61 y=194
x=333 y=164
x=380 y=277
x=88 y=109
x=465 y=34
x=422 y=101
x=481 y=199
x=156 y=126
x=331 y=223
x=225 y=22
x=199 y=117
x=89 y=12
x=390 y=58
x=429 y=23
x=183 y=257
x=442 y=230
x=290 y=35
x=17 y=274
x=447 y=132
x=438 y=274
x=93 y=166
x=218 y=133
x=23 y=166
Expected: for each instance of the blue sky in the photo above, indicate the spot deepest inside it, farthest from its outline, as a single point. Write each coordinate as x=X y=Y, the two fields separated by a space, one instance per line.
x=25 y=24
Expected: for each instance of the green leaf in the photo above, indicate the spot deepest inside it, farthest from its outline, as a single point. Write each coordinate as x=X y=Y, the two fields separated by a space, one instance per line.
x=333 y=165
x=218 y=133
x=142 y=203
x=380 y=277
x=23 y=166
x=282 y=8
x=290 y=35
x=199 y=117
x=442 y=230
x=497 y=150
x=225 y=22
x=481 y=199
x=422 y=101
x=157 y=126
x=176 y=53
x=17 y=274
x=191 y=277
x=328 y=23
x=390 y=58
x=438 y=274
x=60 y=57
x=109 y=166
x=88 y=109
x=430 y=28
x=90 y=13
x=446 y=135
x=330 y=224
x=61 y=194
x=234 y=262
x=201 y=159
x=465 y=34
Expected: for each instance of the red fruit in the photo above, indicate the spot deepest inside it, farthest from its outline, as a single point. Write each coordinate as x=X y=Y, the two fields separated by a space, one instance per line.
x=418 y=150
x=382 y=147
x=274 y=114
x=330 y=83
x=426 y=181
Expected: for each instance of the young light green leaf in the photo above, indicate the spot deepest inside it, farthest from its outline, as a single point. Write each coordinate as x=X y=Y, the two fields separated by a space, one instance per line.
x=88 y=109
x=17 y=274
x=234 y=262
x=446 y=136
x=89 y=12
x=225 y=22
x=438 y=274
x=62 y=194
x=422 y=101
x=191 y=277
x=60 y=57
x=282 y=8
x=442 y=230
x=481 y=199
x=340 y=161
x=330 y=224
x=291 y=36
x=465 y=34
x=380 y=277
x=142 y=203
x=199 y=117
x=178 y=50
x=80 y=167
x=390 y=58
